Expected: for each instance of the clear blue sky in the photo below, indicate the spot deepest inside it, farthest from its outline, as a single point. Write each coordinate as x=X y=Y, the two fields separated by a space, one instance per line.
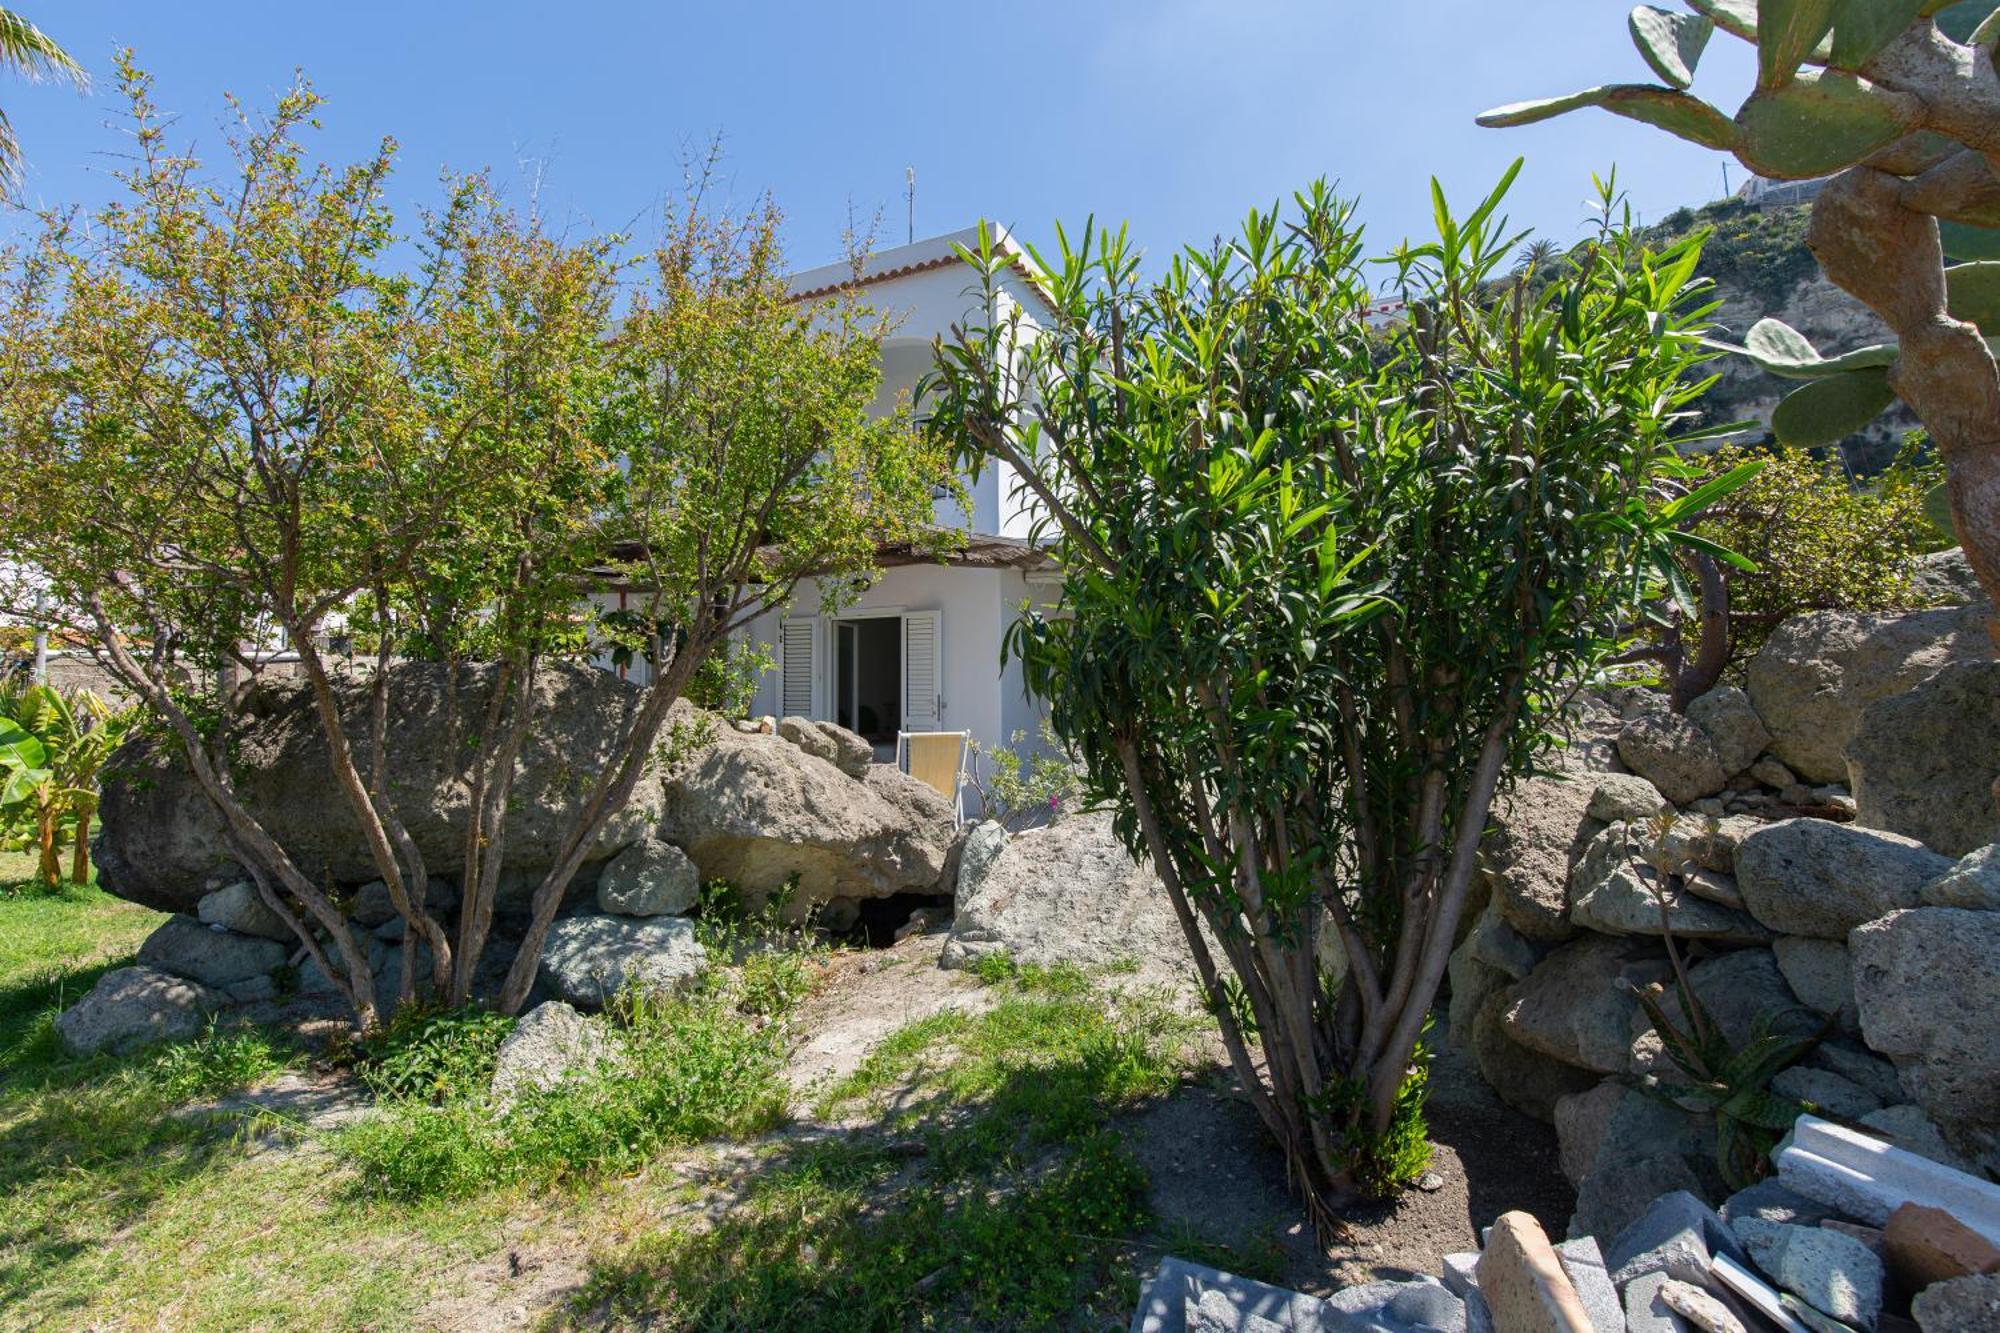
x=1174 y=114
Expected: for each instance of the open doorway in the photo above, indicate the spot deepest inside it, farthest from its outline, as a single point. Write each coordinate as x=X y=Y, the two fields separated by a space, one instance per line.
x=868 y=679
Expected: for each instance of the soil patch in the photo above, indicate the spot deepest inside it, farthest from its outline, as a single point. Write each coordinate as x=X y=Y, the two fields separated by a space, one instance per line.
x=1217 y=1177
x=864 y=997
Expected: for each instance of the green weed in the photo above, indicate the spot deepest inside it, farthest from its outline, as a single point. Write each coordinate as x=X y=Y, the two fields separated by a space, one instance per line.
x=683 y=1069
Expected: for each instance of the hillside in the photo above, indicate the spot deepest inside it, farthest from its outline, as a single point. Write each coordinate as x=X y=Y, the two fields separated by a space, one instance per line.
x=1759 y=261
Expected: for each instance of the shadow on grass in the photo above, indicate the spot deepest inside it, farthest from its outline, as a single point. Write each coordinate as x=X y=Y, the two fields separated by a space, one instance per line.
x=89 y=1143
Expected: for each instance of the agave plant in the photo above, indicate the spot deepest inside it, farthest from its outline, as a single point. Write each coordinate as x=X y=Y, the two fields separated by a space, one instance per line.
x=1900 y=97
x=1731 y=1082
x=52 y=747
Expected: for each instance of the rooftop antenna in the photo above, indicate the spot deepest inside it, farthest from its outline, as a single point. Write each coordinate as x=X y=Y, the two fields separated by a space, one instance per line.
x=910 y=193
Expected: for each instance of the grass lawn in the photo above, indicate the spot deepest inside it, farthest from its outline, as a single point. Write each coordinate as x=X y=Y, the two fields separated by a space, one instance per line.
x=113 y=1213
x=978 y=1180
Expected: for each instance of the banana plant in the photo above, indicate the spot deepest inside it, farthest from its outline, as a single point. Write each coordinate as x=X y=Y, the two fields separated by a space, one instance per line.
x=23 y=763
x=52 y=749
x=1897 y=100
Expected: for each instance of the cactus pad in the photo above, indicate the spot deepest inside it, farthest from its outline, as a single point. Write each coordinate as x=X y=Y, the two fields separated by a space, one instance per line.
x=1820 y=122
x=1829 y=410
x=1664 y=108
x=1671 y=43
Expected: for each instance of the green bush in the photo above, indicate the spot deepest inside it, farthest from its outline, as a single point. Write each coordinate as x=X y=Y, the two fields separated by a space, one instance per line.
x=1818 y=539
x=432 y=1055
x=1322 y=581
x=1024 y=793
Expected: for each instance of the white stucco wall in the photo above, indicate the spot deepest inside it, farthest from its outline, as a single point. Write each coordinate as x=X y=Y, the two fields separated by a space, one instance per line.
x=925 y=305
x=975 y=606
x=979 y=694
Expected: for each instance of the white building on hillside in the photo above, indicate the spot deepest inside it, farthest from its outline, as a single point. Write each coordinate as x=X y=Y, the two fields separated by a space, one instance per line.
x=920 y=650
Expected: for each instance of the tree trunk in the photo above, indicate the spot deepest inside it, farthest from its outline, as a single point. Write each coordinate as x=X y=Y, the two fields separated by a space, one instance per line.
x=614 y=788
x=1712 y=651
x=46 y=819
x=1887 y=254
x=257 y=849
x=79 y=866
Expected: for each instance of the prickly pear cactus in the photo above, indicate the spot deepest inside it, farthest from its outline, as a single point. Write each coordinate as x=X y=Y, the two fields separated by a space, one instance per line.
x=1899 y=101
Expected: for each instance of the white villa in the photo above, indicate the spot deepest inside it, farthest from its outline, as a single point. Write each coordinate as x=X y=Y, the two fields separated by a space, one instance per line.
x=920 y=649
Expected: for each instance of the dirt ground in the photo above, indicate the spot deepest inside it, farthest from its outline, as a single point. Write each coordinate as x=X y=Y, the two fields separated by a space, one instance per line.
x=1216 y=1175
x=865 y=996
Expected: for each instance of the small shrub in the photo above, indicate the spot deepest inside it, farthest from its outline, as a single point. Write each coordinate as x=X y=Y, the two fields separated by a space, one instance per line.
x=214 y=1063
x=732 y=925
x=1404 y=1152
x=1818 y=539
x=433 y=1055
x=686 y=1068
x=1026 y=793
x=769 y=985
x=995 y=968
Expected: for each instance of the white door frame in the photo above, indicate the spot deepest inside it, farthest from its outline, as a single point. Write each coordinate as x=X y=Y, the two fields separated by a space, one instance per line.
x=828 y=672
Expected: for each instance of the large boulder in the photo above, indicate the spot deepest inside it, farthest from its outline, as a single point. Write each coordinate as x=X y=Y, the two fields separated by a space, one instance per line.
x=977 y=852
x=807 y=735
x=649 y=878
x=1645 y=1148
x=1614 y=891
x=1582 y=1121
x=1927 y=983
x=1820 y=974
x=1820 y=879
x=760 y=812
x=1066 y=893
x=208 y=954
x=852 y=754
x=1526 y=1079
x=1817 y=672
x=1923 y=762
x=1973 y=883
x=236 y=906
x=1675 y=755
x=1539 y=830
x=161 y=843
x=1578 y=1005
x=1945 y=578
x=587 y=960
x=130 y=1007
x=1726 y=715
x=1625 y=796
x=552 y=1044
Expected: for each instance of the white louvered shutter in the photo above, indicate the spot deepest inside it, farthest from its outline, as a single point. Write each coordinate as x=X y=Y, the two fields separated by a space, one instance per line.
x=798 y=667
x=923 y=686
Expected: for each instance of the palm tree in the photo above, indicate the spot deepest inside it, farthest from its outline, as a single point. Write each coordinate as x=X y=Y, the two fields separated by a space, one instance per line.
x=1537 y=255
x=28 y=51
